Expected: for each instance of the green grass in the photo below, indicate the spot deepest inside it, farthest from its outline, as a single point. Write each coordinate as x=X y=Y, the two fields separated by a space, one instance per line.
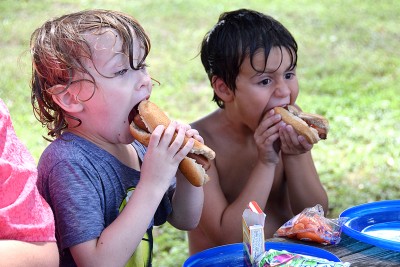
x=349 y=60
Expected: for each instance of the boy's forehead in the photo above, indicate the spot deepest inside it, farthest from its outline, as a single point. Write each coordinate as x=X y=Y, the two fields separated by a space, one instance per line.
x=107 y=45
x=267 y=63
x=256 y=61
x=104 y=39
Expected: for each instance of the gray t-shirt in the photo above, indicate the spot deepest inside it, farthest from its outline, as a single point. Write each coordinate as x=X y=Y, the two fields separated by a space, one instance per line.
x=86 y=187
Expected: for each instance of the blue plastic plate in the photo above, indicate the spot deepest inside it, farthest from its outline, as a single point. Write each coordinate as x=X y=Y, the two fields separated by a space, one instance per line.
x=376 y=223
x=233 y=255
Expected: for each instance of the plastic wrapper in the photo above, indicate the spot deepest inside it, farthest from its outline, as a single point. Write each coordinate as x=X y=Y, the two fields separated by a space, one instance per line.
x=282 y=258
x=311 y=225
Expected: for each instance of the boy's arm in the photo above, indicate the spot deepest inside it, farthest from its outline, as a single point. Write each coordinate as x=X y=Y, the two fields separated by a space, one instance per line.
x=187 y=204
x=187 y=201
x=18 y=253
x=304 y=185
x=119 y=240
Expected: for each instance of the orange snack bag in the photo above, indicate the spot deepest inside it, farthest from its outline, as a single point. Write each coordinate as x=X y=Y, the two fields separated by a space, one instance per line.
x=311 y=225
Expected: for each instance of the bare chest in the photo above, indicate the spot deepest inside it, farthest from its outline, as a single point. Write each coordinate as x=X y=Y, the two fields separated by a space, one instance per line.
x=234 y=170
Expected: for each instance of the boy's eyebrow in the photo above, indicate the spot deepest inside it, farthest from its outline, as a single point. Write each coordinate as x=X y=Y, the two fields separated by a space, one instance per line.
x=122 y=54
x=113 y=58
x=270 y=70
x=264 y=71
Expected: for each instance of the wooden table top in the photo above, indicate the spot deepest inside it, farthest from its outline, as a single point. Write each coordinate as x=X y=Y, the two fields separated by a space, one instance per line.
x=359 y=254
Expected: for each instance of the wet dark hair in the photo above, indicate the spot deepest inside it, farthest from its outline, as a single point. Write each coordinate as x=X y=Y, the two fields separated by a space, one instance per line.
x=239 y=34
x=57 y=50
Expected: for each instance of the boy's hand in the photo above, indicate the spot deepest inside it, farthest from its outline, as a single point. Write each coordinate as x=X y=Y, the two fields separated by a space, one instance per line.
x=191 y=132
x=266 y=134
x=164 y=155
x=291 y=142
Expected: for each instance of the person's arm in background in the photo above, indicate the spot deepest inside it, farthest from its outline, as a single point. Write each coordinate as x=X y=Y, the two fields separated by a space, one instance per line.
x=19 y=253
x=25 y=217
x=305 y=187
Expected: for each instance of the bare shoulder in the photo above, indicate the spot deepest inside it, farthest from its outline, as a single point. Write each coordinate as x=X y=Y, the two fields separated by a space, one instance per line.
x=208 y=127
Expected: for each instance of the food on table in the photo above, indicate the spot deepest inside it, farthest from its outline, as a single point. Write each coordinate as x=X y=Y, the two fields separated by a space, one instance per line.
x=311 y=225
x=283 y=258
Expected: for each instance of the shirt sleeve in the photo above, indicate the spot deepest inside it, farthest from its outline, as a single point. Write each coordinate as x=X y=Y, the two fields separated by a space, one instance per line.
x=24 y=214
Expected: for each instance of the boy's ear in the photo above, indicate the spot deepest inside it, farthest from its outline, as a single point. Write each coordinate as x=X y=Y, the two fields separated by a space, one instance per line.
x=65 y=98
x=222 y=90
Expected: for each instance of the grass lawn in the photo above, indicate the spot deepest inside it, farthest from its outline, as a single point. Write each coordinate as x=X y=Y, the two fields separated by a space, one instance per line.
x=348 y=70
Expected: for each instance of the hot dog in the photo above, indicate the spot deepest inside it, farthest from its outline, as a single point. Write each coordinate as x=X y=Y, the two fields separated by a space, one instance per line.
x=313 y=127
x=193 y=167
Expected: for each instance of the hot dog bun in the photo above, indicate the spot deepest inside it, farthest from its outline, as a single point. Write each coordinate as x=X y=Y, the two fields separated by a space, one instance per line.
x=152 y=116
x=313 y=127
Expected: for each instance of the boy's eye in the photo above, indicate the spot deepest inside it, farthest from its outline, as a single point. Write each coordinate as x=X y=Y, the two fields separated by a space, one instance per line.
x=289 y=75
x=265 y=81
x=121 y=72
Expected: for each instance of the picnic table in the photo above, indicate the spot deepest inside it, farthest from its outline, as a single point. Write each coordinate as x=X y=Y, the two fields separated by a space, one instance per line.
x=348 y=250
x=356 y=252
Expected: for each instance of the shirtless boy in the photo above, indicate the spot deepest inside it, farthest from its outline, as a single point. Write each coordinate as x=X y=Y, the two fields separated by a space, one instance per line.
x=250 y=59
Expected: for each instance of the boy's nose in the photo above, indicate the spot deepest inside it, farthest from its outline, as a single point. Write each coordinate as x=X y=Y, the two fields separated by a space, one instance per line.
x=146 y=80
x=282 y=90
x=143 y=83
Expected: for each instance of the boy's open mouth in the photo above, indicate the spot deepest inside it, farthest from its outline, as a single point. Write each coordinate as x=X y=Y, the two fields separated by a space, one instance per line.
x=133 y=113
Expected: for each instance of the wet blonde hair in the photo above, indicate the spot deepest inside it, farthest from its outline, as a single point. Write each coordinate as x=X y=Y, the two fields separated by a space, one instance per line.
x=57 y=50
